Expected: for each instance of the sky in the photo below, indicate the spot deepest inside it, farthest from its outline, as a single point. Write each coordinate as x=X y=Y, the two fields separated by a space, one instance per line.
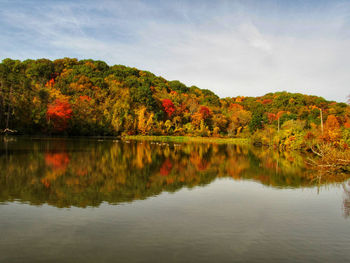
x=234 y=48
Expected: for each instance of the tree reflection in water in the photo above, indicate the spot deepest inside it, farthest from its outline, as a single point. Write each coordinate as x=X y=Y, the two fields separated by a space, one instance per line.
x=84 y=173
x=346 y=200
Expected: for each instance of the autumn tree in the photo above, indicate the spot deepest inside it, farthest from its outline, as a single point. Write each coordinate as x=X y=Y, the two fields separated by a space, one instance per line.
x=332 y=132
x=239 y=119
x=168 y=107
x=98 y=99
x=83 y=115
x=118 y=106
x=145 y=121
x=58 y=113
x=205 y=112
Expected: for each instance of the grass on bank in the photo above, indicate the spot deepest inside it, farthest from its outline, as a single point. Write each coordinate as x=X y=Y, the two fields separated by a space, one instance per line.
x=179 y=139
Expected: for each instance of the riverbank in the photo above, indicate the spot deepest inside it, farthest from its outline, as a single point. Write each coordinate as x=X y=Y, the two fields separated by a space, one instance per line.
x=175 y=139
x=181 y=139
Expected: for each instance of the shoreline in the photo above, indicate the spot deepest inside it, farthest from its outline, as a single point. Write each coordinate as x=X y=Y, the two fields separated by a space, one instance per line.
x=161 y=138
x=185 y=139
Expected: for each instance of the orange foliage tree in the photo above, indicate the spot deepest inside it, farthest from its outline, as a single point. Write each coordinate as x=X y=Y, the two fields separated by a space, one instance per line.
x=271 y=117
x=332 y=132
x=202 y=114
x=50 y=83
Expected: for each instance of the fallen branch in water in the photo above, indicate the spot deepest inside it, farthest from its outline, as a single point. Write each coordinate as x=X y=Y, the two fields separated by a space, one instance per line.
x=7 y=130
x=330 y=158
x=315 y=152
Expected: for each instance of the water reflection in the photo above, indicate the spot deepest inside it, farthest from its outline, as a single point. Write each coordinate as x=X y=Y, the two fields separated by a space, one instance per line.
x=84 y=173
x=346 y=200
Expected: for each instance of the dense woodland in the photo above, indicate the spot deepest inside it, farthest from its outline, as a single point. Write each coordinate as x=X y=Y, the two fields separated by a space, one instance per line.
x=86 y=97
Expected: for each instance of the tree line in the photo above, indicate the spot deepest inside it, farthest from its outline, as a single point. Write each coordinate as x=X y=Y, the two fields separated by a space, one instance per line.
x=86 y=97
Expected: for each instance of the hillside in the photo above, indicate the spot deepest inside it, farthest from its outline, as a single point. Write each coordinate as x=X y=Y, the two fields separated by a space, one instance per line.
x=86 y=97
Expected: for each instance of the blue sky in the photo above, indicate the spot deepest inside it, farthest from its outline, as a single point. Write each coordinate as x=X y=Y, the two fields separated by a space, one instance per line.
x=230 y=47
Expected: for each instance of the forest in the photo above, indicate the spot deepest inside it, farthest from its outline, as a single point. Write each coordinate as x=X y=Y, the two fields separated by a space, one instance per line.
x=74 y=97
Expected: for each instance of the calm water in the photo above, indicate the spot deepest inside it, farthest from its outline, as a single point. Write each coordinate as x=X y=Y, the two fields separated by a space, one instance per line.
x=111 y=201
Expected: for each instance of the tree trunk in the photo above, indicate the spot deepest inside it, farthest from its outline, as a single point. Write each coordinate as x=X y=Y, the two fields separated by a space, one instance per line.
x=321 y=120
x=9 y=109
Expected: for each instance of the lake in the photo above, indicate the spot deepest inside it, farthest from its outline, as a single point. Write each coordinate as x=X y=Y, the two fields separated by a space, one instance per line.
x=93 y=200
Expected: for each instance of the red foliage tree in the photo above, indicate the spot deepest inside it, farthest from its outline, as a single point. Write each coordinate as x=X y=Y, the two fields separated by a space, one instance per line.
x=271 y=117
x=266 y=101
x=168 y=107
x=59 y=112
x=205 y=112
